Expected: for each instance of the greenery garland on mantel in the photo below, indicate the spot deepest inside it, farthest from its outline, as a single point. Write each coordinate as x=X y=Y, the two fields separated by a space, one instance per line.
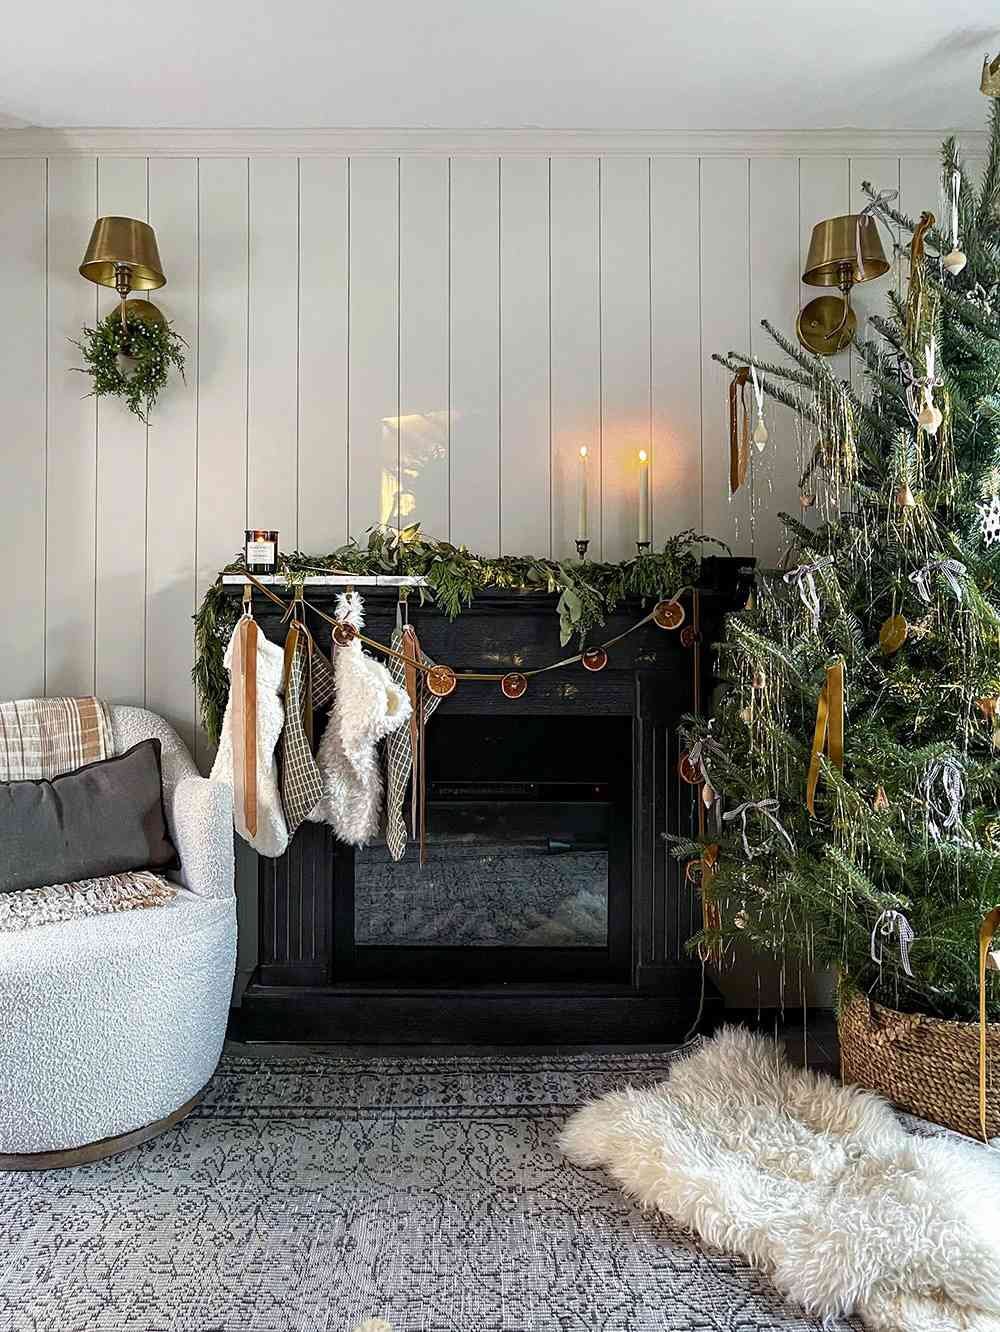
x=588 y=590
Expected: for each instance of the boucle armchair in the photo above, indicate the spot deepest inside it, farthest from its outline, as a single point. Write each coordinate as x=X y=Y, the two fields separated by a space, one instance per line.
x=110 y=1026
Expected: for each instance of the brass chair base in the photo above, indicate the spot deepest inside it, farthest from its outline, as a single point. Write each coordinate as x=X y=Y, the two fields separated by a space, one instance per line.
x=98 y=1151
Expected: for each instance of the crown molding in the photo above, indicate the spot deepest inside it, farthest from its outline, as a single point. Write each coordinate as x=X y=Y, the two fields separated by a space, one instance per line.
x=469 y=142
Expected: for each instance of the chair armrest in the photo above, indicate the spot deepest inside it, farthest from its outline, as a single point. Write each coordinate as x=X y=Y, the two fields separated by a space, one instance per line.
x=200 y=812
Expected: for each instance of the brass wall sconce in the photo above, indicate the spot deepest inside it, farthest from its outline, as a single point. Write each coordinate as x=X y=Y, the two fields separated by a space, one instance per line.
x=842 y=252
x=122 y=254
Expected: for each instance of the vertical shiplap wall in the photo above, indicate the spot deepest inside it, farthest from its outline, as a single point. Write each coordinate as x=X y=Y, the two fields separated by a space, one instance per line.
x=374 y=338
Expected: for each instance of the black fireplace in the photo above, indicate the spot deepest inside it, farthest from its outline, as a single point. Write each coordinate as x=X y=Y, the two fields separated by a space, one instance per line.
x=549 y=907
x=528 y=861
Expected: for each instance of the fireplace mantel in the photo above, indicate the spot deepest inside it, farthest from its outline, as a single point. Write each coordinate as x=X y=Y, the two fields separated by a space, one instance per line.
x=309 y=985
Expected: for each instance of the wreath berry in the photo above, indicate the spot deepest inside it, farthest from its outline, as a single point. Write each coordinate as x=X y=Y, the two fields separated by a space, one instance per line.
x=131 y=359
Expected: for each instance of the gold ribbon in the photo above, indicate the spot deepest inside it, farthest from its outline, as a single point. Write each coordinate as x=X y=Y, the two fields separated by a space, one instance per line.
x=987 y=958
x=243 y=677
x=828 y=737
x=739 y=440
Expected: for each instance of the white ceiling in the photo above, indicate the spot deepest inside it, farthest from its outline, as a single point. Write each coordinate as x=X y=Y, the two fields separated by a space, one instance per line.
x=630 y=64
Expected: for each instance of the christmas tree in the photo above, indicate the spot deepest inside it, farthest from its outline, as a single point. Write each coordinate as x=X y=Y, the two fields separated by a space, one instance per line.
x=851 y=774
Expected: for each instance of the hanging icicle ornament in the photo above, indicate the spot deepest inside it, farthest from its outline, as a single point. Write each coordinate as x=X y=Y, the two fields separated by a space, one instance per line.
x=890 y=923
x=946 y=813
x=760 y=429
x=989 y=520
x=951 y=570
x=955 y=260
x=803 y=576
x=765 y=809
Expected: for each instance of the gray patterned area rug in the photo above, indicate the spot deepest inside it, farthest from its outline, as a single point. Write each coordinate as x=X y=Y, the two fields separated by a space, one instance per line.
x=306 y=1194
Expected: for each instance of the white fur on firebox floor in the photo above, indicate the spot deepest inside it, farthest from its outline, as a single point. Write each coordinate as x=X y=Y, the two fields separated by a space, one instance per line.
x=818 y=1184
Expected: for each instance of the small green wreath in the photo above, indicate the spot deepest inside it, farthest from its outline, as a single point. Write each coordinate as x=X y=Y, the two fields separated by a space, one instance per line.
x=131 y=360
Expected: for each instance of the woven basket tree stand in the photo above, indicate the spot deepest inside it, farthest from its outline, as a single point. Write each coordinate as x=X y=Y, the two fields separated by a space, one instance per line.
x=924 y=1065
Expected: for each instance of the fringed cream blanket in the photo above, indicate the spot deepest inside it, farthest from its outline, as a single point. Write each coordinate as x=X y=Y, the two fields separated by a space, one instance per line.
x=58 y=902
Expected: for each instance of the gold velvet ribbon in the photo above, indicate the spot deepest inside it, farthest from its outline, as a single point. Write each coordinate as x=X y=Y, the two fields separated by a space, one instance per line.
x=243 y=687
x=828 y=737
x=987 y=930
x=739 y=437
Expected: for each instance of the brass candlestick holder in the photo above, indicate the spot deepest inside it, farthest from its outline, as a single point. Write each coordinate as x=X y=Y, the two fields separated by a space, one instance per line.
x=641 y=547
x=581 y=547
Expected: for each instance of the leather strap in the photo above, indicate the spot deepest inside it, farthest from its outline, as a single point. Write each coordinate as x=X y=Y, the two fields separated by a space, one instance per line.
x=739 y=439
x=243 y=683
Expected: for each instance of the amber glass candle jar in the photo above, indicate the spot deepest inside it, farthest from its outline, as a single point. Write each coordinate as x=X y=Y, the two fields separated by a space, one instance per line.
x=261 y=551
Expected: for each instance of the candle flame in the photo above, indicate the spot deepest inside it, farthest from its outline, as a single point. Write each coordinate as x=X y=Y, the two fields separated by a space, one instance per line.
x=642 y=455
x=583 y=450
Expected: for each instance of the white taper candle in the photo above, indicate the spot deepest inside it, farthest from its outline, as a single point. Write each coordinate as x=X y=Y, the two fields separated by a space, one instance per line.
x=643 y=496
x=581 y=515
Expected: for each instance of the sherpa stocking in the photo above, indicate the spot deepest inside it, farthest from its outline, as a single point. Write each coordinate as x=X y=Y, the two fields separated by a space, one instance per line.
x=271 y=836
x=367 y=706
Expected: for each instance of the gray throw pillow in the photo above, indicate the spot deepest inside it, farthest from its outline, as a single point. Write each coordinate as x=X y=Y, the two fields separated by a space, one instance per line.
x=105 y=818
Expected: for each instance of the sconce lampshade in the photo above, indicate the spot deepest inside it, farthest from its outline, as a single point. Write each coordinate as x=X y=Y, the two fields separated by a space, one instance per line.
x=123 y=242
x=837 y=244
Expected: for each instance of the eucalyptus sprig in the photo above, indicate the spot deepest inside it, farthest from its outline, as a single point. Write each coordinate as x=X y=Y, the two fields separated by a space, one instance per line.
x=130 y=360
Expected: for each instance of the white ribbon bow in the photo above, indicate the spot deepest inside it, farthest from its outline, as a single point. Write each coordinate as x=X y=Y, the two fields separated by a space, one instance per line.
x=890 y=922
x=956 y=185
x=697 y=753
x=866 y=218
x=942 y=818
x=951 y=571
x=804 y=577
x=765 y=808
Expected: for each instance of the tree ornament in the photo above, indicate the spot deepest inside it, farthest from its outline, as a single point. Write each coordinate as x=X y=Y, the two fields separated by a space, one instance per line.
x=441 y=680
x=893 y=634
x=989 y=707
x=746 y=715
x=952 y=571
x=741 y=920
x=807 y=501
x=881 y=800
x=759 y=678
x=929 y=418
x=828 y=735
x=594 y=659
x=989 y=520
x=955 y=260
x=708 y=795
x=514 y=684
x=890 y=923
x=668 y=614
x=689 y=771
x=803 y=576
x=905 y=498
x=690 y=636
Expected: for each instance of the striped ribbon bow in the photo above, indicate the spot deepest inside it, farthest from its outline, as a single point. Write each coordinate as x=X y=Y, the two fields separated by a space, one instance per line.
x=765 y=808
x=889 y=923
x=866 y=218
x=951 y=570
x=804 y=578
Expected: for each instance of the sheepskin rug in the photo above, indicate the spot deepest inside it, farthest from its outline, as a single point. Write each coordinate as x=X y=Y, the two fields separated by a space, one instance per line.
x=818 y=1184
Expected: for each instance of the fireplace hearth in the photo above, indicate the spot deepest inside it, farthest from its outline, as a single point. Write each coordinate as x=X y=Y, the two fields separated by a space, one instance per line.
x=549 y=908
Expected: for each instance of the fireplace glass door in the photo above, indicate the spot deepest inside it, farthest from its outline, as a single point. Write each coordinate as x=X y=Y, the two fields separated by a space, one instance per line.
x=528 y=865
